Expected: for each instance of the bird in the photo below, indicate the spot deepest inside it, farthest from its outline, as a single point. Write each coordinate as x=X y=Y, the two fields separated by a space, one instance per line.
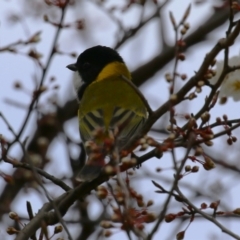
x=108 y=100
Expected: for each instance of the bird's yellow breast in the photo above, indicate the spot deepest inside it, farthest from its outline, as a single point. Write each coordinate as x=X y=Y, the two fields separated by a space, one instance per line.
x=113 y=69
x=111 y=91
x=108 y=94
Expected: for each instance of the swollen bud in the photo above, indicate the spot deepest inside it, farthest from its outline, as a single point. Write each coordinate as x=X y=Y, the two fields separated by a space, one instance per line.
x=209 y=164
x=208 y=143
x=237 y=211
x=102 y=192
x=188 y=168
x=205 y=117
x=180 y=235
x=11 y=230
x=181 y=56
x=151 y=217
x=149 y=203
x=109 y=170
x=13 y=215
x=106 y=224
x=195 y=169
x=58 y=229
x=170 y=217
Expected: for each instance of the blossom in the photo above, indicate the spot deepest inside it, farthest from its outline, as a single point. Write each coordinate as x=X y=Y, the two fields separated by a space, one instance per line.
x=231 y=84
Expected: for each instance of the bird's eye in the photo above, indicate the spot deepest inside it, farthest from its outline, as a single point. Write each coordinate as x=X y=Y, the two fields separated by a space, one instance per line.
x=86 y=65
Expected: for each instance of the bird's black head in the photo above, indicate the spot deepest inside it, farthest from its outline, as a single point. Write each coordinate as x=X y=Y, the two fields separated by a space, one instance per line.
x=91 y=62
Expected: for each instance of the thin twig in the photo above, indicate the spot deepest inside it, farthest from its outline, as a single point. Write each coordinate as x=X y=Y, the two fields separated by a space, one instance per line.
x=53 y=179
x=207 y=216
x=175 y=183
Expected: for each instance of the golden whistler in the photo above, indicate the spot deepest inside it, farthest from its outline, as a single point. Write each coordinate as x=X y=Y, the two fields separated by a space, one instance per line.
x=106 y=101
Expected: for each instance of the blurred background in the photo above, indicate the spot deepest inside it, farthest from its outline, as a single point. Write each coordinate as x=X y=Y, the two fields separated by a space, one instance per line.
x=34 y=51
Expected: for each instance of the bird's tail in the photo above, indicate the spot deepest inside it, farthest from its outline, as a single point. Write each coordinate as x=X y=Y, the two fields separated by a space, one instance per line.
x=89 y=173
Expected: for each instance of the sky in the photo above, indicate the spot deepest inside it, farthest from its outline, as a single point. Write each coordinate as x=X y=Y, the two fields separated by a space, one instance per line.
x=135 y=53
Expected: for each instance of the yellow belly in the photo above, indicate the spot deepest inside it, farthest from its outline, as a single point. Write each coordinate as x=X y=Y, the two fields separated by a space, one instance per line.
x=108 y=94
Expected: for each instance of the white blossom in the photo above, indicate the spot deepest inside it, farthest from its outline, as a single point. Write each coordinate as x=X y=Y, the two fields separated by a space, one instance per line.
x=231 y=84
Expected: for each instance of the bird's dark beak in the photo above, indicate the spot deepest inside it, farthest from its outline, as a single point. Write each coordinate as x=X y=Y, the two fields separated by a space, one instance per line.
x=72 y=67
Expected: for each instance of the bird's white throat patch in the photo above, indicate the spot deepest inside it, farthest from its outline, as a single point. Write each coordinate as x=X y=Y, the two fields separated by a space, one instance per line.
x=77 y=81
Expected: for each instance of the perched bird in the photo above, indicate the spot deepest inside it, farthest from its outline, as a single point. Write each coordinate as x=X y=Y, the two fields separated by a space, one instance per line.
x=108 y=100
